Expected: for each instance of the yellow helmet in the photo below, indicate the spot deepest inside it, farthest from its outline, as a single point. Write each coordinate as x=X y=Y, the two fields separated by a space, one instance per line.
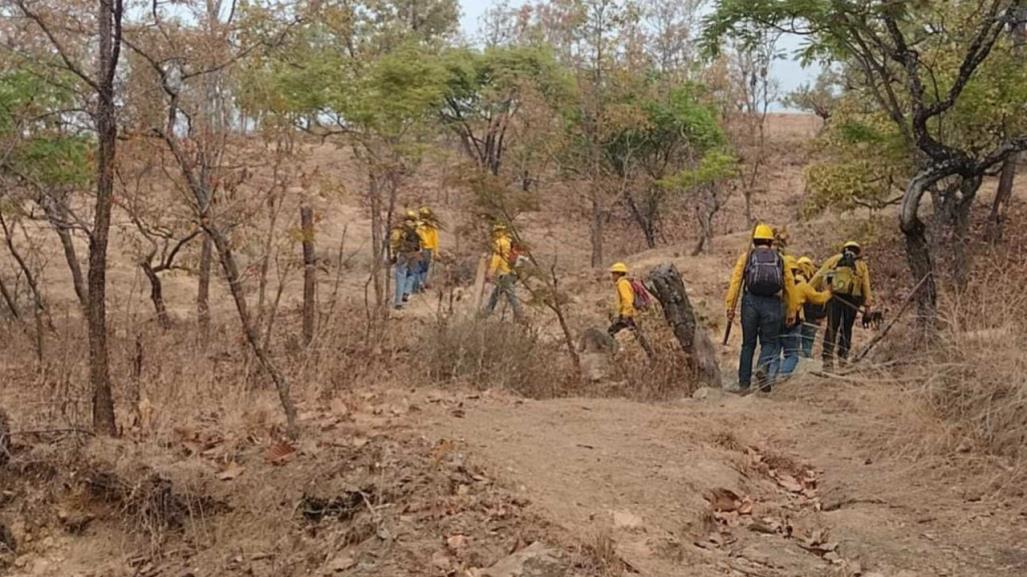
x=619 y=267
x=805 y=261
x=411 y=215
x=498 y=227
x=425 y=212
x=763 y=232
x=852 y=244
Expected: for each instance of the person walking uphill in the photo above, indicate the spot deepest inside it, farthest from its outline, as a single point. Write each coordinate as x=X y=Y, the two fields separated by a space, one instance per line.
x=765 y=285
x=791 y=337
x=811 y=313
x=428 y=230
x=405 y=244
x=501 y=272
x=849 y=279
x=627 y=296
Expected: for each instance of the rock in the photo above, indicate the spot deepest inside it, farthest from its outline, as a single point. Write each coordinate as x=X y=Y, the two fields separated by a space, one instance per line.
x=627 y=520
x=535 y=560
x=339 y=564
x=701 y=393
x=595 y=366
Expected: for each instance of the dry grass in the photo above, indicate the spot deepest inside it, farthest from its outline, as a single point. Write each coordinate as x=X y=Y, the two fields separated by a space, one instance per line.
x=493 y=354
x=967 y=388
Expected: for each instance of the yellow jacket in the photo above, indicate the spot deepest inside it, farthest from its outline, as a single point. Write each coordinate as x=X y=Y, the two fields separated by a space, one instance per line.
x=500 y=263
x=803 y=294
x=862 y=278
x=429 y=237
x=625 y=298
x=734 y=291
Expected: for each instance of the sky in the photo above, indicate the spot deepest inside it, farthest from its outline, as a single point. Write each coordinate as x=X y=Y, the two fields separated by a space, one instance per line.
x=788 y=72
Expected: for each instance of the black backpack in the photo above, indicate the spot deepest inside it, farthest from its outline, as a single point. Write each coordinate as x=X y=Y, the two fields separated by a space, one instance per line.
x=765 y=272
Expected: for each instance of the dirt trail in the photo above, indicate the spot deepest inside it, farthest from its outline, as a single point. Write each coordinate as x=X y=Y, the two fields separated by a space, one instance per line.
x=641 y=474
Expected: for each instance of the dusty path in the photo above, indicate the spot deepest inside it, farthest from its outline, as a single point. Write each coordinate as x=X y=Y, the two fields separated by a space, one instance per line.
x=641 y=474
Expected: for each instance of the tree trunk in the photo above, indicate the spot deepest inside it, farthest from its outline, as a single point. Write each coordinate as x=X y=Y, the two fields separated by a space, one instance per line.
x=57 y=214
x=669 y=289
x=231 y=270
x=9 y=300
x=5 y=438
x=960 y=266
x=109 y=46
x=374 y=198
x=596 y=231
x=646 y=222
x=918 y=250
x=996 y=219
x=156 y=295
x=73 y=266
x=203 y=290
x=309 y=273
x=30 y=277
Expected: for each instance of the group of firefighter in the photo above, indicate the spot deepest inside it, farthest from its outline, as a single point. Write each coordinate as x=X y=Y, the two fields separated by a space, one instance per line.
x=784 y=298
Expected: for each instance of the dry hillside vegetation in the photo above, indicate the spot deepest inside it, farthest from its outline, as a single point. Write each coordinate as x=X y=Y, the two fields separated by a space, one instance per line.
x=205 y=372
x=394 y=475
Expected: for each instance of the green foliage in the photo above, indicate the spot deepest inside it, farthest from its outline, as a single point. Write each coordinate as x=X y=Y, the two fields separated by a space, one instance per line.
x=34 y=131
x=862 y=160
x=665 y=134
x=716 y=166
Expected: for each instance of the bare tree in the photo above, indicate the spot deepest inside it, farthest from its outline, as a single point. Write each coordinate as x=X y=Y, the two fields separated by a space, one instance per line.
x=309 y=273
x=102 y=84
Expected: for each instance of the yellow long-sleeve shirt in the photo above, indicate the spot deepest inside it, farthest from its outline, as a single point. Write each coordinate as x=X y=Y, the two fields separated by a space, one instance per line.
x=625 y=298
x=429 y=237
x=734 y=290
x=500 y=263
x=803 y=294
x=861 y=281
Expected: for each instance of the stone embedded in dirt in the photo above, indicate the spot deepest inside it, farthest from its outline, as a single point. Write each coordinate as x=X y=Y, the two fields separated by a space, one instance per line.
x=535 y=560
x=627 y=520
x=701 y=393
x=339 y=564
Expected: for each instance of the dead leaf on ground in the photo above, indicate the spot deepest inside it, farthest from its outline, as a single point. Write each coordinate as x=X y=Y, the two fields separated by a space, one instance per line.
x=231 y=471
x=280 y=453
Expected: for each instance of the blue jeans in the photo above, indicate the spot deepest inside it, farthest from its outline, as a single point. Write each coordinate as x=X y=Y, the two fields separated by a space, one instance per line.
x=791 y=343
x=762 y=318
x=809 y=336
x=423 y=268
x=404 y=273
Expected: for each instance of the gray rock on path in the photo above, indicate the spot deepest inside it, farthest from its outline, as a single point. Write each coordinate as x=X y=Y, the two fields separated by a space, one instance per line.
x=535 y=560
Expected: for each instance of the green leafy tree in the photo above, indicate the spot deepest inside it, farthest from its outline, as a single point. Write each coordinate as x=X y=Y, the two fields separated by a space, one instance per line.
x=945 y=73
x=666 y=136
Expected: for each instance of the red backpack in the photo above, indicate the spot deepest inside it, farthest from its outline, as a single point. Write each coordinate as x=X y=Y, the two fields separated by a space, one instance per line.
x=643 y=298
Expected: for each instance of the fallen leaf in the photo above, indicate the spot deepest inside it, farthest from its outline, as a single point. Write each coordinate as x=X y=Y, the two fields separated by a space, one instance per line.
x=280 y=453
x=231 y=471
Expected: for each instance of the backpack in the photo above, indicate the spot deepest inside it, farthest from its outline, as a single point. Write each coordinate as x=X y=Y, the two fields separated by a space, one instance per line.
x=408 y=240
x=643 y=298
x=765 y=272
x=843 y=276
x=516 y=250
